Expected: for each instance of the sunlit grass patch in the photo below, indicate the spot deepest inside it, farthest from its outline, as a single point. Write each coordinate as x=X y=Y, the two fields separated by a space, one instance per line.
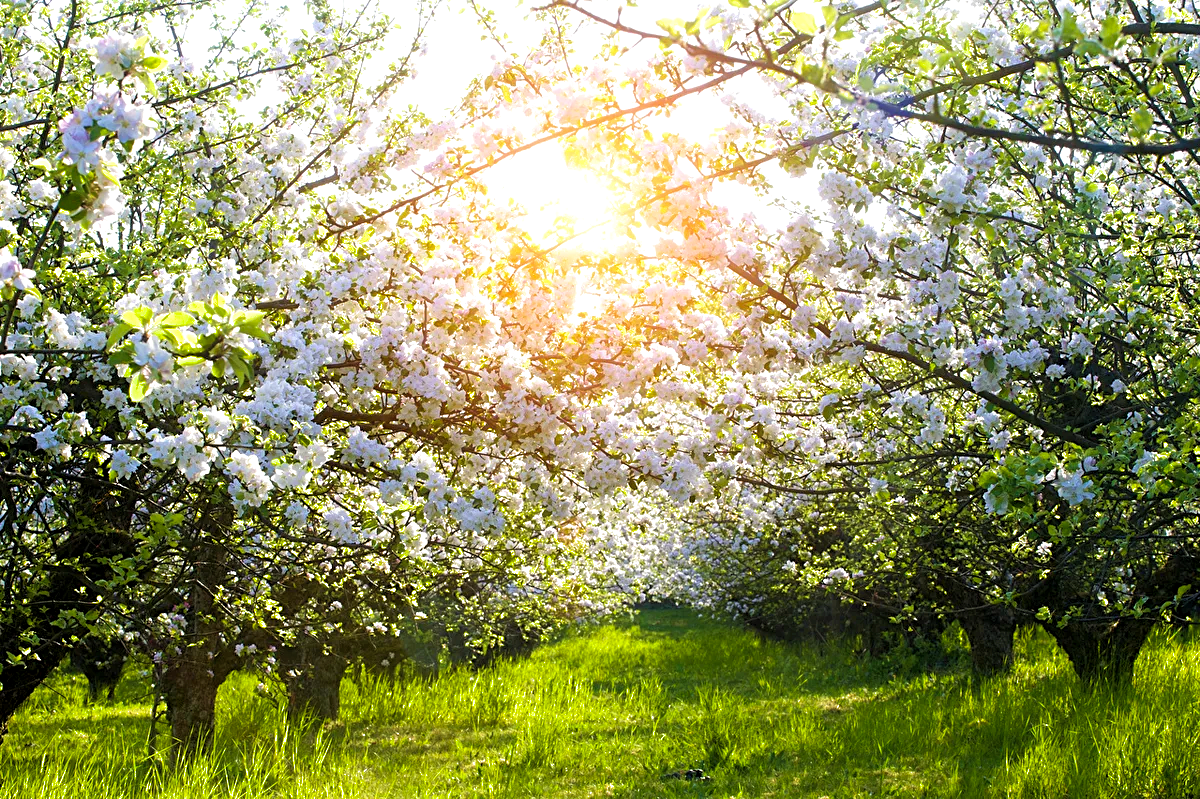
x=630 y=710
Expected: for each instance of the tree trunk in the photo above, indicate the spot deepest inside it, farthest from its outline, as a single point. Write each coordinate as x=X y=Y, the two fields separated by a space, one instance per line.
x=101 y=660
x=990 y=630
x=190 y=687
x=195 y=670
x=989 y=627
x=23 y=679
x=315 y=691
x=1103 y=652
x=99 y=524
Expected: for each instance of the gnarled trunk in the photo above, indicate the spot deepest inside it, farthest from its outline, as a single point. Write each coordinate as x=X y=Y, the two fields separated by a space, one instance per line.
x=315 y=690
x=190 y=688
x=101 y=660
x=989 y=627
x=1103 y=652
x=21 y=680
x=990 y=630
x=195 y=670
x=99 y=525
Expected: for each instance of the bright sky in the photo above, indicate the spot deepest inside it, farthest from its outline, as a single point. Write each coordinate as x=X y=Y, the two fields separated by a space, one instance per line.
x=460 y=48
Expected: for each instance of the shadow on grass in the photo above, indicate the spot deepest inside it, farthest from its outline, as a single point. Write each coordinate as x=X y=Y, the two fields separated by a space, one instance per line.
x=823 y=719
x=614 y=711
x=74 y=731
x=680 y=649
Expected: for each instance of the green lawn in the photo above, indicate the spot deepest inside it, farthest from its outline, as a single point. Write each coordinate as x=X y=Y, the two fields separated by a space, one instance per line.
x=611 y=711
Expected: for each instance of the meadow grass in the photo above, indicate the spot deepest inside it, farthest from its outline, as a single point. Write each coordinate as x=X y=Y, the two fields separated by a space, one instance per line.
x=611 y=711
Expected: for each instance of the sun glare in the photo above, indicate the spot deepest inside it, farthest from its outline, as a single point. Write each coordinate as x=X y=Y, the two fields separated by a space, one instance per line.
x=556 y=201
x=563 y=208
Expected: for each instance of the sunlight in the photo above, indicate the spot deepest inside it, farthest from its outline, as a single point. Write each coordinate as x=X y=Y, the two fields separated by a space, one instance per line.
x=562 y=207
x=696 y=118
x=556 y=200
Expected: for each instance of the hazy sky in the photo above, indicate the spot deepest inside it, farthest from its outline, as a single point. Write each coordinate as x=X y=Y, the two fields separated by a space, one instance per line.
x=456 y=51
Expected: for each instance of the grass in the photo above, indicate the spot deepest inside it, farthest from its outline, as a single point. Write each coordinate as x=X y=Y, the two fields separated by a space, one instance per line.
x=611 y=711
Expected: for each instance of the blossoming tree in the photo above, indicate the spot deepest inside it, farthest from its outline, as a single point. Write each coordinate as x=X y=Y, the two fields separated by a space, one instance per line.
x=249 y=346
x=263 y=328
x=990 y=315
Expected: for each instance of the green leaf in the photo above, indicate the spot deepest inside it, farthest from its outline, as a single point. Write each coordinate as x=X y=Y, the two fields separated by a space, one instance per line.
x=152 y=63
x=108 y=173
x=804 y=22
x=249 y=318
x=176 y=319
x=243 y=370
x=740 y=3
x=139 y=386
x=122 y=356
x=71 y=201
x=138 y=318
x=813 y=73
x=672 y=25
x=171 y=336
x=42 y=164
x=1069 y=31
x=1110 y=31
x=1142 y=120
x=250 y=323
x=116 y=334
x=830 y=14
x=187 y=340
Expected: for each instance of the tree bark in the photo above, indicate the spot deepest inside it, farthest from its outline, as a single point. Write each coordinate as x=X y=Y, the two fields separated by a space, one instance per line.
x=22 y=680
x=989 y=627
x=99 y=525
x=990 y=630
x=196 y=668
x=190 y=688
x=101 y=660
x=315 y=691
x=1103 y=653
